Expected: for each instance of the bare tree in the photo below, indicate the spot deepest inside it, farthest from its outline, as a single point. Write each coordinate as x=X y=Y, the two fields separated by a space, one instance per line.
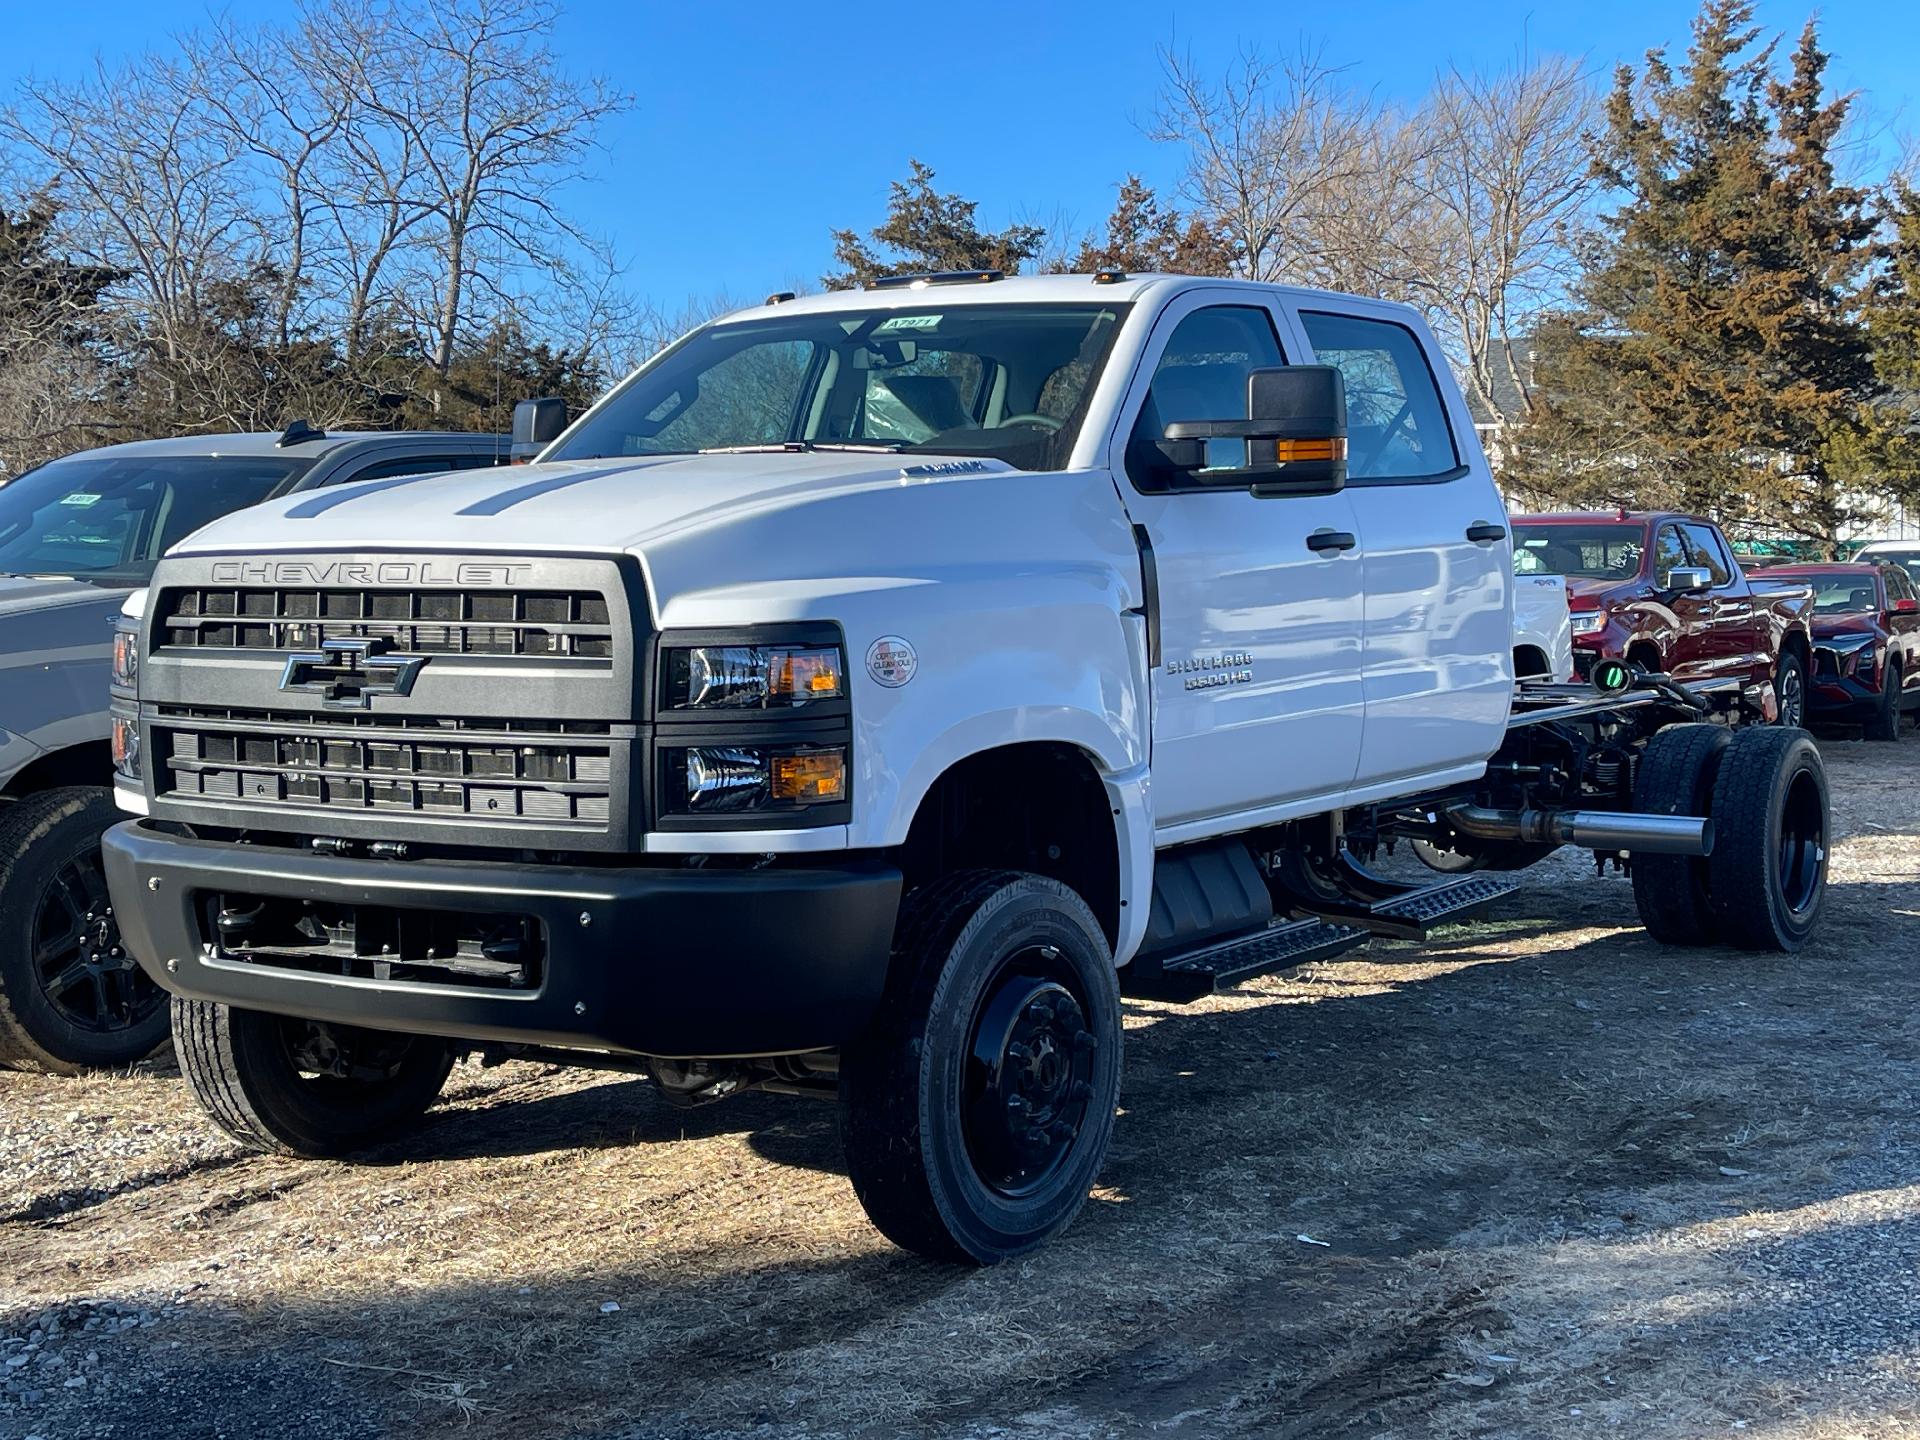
x=1500 y=190
x=148 y=188
x=1274 y=149
x=483 y=126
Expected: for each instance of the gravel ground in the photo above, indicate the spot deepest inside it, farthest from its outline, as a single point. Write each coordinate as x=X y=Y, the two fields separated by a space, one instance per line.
x=1539 y=1178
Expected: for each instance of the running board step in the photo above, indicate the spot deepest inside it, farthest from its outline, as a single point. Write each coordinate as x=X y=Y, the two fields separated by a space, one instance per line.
x=1180 y=978
x=1416 y=914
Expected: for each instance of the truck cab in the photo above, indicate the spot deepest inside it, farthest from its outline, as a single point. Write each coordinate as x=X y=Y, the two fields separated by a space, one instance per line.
x=846 y=705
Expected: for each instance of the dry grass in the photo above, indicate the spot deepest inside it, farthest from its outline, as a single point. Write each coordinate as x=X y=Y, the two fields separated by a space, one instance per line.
x=1568 y=1182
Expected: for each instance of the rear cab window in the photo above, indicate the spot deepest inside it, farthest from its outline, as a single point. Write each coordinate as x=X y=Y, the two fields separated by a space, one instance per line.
x=1397 y=426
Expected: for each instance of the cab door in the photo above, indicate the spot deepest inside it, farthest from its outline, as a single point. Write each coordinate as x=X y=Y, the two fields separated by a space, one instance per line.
x=1437 y=653
x=1736 y=630
x=1257 y=703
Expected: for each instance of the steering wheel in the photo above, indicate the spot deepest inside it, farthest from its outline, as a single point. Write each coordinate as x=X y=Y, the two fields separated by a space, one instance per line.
x=1033 y=417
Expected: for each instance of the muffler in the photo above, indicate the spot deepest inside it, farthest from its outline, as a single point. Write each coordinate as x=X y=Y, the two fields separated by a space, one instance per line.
x=1588 y=829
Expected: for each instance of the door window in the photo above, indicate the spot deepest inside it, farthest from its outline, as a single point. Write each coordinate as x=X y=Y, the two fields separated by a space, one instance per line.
x=1704 y=546
x=1396 y=421
x=1202 y=375
x=1899 y=587
x=1669 y=553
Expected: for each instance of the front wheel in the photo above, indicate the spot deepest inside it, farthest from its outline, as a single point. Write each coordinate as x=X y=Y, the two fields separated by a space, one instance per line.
x=1884 y=724
x=298 y=1087
x=1790 y=690
x=71 y=998
x=976 y=1111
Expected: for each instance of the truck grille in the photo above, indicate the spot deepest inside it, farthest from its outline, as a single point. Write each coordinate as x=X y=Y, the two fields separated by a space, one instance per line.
x=432 y=621
x=559 y=773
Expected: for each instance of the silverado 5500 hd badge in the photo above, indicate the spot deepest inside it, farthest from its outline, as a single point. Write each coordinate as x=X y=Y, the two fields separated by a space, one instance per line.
x=1208 y=672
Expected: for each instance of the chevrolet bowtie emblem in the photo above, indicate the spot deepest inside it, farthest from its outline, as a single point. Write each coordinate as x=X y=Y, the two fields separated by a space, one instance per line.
x=347 y=674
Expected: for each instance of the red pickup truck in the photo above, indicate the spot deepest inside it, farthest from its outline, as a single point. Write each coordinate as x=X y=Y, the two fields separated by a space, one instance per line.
x=1665 y=592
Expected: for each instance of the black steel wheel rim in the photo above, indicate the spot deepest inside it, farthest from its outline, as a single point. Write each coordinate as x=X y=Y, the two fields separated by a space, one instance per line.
x=79 y=959
x=1029 y=1073
x=1803 y=843
x=341 y=1056
x=1792 y=695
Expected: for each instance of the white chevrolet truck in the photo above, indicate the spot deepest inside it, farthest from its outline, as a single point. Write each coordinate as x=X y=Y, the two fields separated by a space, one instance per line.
x=862 y=698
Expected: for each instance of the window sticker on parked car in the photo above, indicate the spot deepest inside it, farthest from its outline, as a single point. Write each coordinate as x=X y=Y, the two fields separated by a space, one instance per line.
x=80 y=500
x=908 y=322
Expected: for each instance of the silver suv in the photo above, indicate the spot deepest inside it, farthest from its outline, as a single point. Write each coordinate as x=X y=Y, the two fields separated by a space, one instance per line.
x=77 y=535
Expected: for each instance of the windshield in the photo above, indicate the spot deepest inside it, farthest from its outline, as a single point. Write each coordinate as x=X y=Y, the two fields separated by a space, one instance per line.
x=109 y=518
x=1907 y=560
x=1841 y=592
x=1008 y=382
x=1594 y=552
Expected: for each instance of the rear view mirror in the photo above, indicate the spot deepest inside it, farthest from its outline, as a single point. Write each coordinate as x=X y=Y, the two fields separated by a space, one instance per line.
x=535 y=424
x=1295 y=435
x=1689 y=579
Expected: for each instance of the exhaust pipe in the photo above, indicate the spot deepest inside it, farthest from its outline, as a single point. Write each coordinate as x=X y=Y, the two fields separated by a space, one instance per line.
x=1588 y=829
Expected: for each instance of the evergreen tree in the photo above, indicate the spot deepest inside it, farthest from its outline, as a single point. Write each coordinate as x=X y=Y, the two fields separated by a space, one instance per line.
x=1717 y=361
x=927 y=231
x=1142 y=236
x=1885 y=452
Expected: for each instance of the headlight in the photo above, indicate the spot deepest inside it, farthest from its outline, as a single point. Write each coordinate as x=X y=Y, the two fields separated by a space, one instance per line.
x=126 y=748
x=753 y=677
x=126 y=653
x=1588 y=622
x=757 y=779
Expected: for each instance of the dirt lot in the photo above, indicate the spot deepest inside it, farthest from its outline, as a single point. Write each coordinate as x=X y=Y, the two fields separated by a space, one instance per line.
x=1541 y=1178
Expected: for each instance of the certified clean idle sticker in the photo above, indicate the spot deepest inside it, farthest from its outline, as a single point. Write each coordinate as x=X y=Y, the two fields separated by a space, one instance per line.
x=891 y=661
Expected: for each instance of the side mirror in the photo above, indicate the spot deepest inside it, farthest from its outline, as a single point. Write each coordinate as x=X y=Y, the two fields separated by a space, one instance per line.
x=536 y=423
x=1295 y=435
x=1689 y=579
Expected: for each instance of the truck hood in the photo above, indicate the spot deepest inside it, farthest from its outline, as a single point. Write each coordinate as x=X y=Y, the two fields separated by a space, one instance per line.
x=1587 y=592
x=31 y=594
x=581 y=506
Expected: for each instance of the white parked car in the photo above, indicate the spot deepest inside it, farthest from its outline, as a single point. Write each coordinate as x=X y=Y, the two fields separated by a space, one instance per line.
x=857 y=699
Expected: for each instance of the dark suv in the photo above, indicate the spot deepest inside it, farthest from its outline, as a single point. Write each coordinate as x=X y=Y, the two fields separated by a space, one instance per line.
x=1866 y=644
x=77 y=535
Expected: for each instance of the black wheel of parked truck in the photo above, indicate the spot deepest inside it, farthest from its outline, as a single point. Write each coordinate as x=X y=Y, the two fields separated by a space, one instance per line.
x=1767 y=876
x=298 y=1087
x=71 y=998
x=976 y=1110
x=1675 y=777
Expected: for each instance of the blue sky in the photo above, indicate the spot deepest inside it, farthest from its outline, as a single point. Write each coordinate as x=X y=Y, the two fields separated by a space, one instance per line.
x=759 y=127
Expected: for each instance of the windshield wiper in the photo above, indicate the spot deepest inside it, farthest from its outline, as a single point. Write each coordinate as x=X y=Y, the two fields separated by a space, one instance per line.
x=801 y=447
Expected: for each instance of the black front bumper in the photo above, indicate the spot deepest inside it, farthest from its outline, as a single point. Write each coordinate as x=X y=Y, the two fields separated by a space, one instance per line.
x=648 y=961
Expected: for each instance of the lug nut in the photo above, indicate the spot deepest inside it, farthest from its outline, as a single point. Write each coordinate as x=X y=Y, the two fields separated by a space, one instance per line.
x=173 y=967
x=153 y=882
x=579 y=1007
x=585 y=918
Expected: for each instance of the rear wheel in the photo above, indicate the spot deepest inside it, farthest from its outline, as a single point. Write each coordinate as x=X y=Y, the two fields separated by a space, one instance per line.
x=298 y=1087
x=976 y=1111
x=1884 y=724
x=1790 y=690
x=1768 y=871
x=1675 y=777
x=71 y=998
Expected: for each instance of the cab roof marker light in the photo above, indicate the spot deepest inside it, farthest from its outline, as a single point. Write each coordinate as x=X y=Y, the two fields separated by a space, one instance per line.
x=936 y=277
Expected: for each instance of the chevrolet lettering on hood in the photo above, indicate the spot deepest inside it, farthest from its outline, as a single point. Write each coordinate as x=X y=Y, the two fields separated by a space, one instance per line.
x=466 y=573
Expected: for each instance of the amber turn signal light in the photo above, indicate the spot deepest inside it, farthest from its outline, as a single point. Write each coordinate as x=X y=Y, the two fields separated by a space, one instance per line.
x=1333 y=447
x=810 y=778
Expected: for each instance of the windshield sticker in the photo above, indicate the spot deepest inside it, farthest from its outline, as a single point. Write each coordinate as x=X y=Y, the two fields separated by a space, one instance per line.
x=908 y=322
x=80 y=500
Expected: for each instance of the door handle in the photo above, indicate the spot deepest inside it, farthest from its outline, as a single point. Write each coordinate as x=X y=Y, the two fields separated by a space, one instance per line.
x=1322 y=541
x=1481 y=533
